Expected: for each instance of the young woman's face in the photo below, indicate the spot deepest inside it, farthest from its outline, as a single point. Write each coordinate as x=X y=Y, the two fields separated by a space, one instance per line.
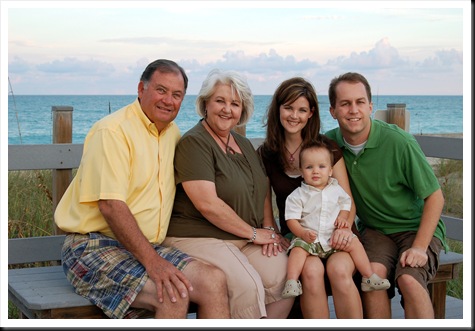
x=294 y=117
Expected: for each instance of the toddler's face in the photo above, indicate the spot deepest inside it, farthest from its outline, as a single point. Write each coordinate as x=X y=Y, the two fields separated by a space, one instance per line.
x=316 y=167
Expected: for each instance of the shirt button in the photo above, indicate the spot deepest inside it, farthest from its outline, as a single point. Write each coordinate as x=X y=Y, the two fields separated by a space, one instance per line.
x=354 y=162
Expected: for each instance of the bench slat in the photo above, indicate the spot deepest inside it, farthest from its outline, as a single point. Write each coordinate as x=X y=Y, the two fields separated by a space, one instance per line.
x=454 y=227
x=44 y=156
x=441 y=147
x=35 y=249
x=450 y=258
x=43 y=288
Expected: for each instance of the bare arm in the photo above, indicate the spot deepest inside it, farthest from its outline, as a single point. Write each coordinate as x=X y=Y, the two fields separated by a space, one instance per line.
x=125 y=228
x=337 y=240
x=298 y=230
x=340 y=173
x=416 y=255
x=269 y=221
x=204 y=197
x=342 y=220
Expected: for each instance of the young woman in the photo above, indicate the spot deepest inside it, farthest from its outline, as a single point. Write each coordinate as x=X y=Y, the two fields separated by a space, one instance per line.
x=293 y=119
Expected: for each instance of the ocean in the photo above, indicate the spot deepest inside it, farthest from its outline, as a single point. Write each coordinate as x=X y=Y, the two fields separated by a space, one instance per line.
x=30 y=117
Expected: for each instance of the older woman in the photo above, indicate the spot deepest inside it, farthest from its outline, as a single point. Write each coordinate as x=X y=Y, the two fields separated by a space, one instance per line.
x=218 y=214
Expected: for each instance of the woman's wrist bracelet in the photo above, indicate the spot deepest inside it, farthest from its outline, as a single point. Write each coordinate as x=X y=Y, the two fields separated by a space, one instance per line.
x=254 y=235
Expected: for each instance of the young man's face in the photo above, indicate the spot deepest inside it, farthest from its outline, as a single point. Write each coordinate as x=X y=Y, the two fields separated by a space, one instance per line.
x=352 y=111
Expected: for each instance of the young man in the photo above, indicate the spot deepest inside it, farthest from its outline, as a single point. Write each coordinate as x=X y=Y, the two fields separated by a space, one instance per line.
x=397 y=196
x=118 y=206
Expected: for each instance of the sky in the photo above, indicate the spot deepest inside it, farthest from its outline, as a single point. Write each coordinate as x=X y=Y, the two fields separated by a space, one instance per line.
x=94 y=47
x=102 y=47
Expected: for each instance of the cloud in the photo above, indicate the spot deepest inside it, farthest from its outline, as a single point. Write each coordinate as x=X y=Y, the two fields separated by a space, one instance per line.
x=70 y=65
x=382 y=56
x=383 y=64
x=19 y=66
x=444 y=60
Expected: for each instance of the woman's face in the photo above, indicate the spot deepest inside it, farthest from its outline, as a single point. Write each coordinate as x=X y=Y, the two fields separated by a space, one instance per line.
x=223 y=109
x=294 y=117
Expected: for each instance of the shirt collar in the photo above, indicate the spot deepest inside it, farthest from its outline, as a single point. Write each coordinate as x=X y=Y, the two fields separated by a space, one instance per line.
x=307 y=188
x=373 y=138
x=137 y=108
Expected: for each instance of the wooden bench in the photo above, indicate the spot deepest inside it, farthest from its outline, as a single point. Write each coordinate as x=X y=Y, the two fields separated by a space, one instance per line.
x=44 y=292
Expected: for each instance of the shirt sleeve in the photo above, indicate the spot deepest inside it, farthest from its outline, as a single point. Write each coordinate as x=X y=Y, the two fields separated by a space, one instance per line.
x=344 y=200
x=194 y=160
x=107 y=162
x=293 y=206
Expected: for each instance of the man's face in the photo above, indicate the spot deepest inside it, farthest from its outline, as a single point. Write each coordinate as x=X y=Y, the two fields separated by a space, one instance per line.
x=161 y=97
x=352 y=111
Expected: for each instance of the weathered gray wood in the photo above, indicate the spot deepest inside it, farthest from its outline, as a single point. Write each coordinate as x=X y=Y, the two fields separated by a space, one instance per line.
x=441 y=147
x=35 y=249
x=450 y=258
x=454 y=227
x=68 y=156
x=46 y=156
x=43 y=288
x=453 y=309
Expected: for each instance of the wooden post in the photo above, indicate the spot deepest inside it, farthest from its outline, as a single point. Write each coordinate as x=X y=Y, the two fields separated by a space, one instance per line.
x=397 y=114
x=62 y=134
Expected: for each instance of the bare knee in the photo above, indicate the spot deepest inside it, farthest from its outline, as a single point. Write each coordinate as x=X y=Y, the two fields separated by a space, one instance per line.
x=215 y=281
x=313 y=268
x=407 y=283
x=148 y=299
x=209 y=282
x=313 y=275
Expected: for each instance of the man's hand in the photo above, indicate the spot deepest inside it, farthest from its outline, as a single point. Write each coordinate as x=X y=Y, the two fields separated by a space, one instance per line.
x=168 y=278
x=413 y=257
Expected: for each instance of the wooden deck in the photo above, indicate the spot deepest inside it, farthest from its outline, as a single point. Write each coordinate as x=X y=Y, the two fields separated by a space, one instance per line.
x=453 y=308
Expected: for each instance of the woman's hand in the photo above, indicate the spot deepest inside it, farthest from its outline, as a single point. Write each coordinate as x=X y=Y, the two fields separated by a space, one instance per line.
x=265 y=237
x=341 y=238
x=274 y=249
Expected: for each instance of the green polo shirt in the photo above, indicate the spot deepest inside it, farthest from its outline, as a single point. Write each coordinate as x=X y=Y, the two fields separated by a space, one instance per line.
x=389 y=179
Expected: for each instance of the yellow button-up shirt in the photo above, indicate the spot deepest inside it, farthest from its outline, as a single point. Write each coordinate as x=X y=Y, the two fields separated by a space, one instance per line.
x=125 y=158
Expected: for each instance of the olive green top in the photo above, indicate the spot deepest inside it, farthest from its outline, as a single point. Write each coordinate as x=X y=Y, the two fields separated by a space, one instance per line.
x=240 y=181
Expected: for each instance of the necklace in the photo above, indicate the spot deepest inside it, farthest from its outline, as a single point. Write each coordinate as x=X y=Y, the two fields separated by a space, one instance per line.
x=291 y=158
x=228 y=148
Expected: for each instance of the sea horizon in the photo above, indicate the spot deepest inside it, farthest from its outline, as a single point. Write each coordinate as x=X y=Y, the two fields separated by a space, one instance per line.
x=30 y=116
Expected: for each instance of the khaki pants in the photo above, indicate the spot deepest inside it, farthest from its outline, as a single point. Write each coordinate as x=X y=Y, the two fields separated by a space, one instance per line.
x=253 y=279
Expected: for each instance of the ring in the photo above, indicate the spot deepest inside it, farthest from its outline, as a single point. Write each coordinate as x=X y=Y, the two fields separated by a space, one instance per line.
x=275 y=244
x=272 y=236
x=345 y=239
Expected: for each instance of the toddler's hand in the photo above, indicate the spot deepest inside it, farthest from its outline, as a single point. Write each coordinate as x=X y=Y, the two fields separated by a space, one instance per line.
x=310 y=236
x=341 y=223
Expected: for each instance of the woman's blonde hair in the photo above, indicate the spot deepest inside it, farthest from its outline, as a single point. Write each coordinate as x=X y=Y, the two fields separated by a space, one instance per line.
x=238 y=84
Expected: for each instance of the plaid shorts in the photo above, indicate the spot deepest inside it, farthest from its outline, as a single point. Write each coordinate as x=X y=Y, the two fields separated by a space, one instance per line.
x=312 y=248
x=103 y=271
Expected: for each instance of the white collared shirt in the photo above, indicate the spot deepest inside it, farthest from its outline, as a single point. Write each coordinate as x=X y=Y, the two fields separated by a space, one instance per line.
x=318 y=209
